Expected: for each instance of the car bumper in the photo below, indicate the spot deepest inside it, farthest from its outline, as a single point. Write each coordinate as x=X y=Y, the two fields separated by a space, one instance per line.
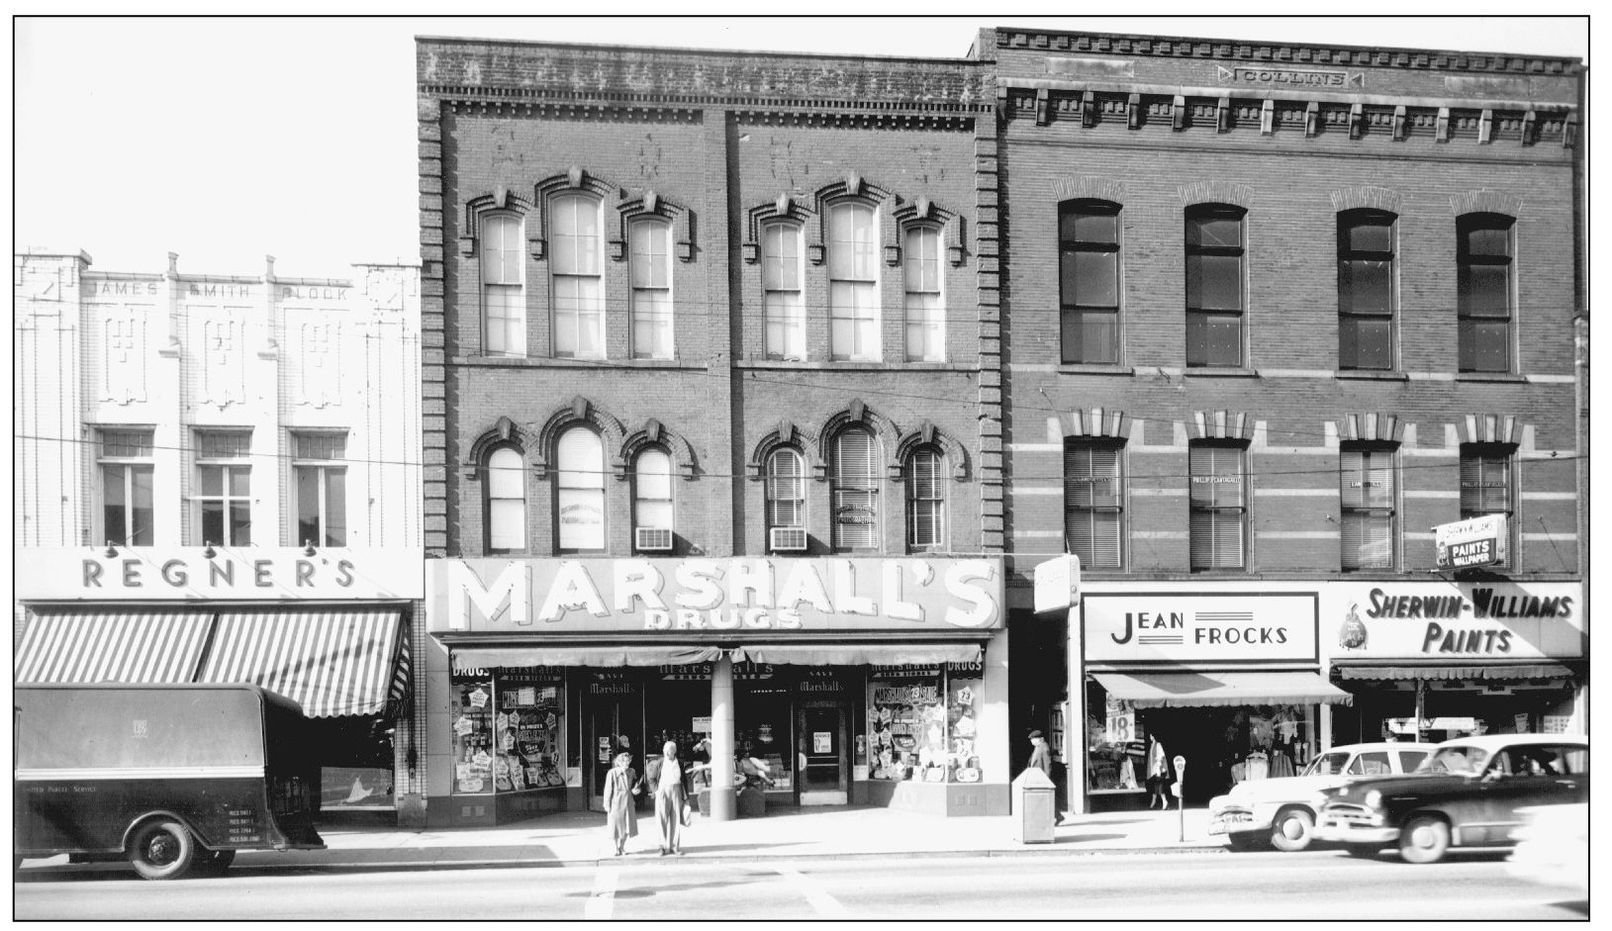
x=1236 y=821
x=1343 y=832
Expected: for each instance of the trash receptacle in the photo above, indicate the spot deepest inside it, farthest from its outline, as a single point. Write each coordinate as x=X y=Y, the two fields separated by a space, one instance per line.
x=752 y=802
x=1034 y=807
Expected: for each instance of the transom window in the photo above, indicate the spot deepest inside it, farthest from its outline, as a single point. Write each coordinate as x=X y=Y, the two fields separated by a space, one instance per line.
x=580 y=491
x=786 y=489
x=926 y=499
x=578 y=279
x=853 y=286
x=319 y=471
x=127 y=511
x=1094 y=502
x=1219 y=506
x=1214 y=277
x=650 y=261
x=224 y=487
x=506 y=500
x=780 y=282
x=925 y=308
x=1366 y=290
x=1088 y=281
x=502 y=299
x=1367 y=497
x=1486 y=298
x=856 y=489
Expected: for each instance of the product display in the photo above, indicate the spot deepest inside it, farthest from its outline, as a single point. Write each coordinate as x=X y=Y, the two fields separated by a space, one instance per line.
x=516 y=747
x=907 y=724
x=963 y=762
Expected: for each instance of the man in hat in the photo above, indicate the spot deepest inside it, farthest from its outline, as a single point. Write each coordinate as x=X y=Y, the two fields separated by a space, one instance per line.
x=1041 y=758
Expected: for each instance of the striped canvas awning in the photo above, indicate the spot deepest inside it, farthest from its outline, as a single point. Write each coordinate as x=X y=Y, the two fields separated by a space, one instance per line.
x=1494 y=672
x=111 y=646
x=1209 y=689
x=332 y=663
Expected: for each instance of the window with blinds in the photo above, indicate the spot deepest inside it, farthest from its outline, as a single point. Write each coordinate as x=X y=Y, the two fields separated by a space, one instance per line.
x=1484 y=299
x=856 y=490
x=786 y=490
x=1486 y=486
x=1218 y=501
x=580 y=491
x=652 y=490
x=1366 y=501
x=1365 y=289
x=1088 y=280
x=853 y=284
x=502 y=301
x=926 y=500
x=577 y=272
x=506 y=501
x=1093 y=502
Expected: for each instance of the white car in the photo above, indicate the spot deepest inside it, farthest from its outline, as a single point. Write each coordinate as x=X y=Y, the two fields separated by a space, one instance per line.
x=1281 y=811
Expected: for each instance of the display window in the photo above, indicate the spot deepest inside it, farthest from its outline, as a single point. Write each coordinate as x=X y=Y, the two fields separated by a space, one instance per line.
x=907 y=726
x=763 y=725
x=962 y=702
x=508 y=731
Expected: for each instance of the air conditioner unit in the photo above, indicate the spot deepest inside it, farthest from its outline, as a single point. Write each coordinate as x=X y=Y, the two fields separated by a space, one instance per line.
x=787 y=540
x=653 y=539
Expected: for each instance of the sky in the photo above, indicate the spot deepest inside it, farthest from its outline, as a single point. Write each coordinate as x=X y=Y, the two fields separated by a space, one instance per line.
x=228 y=139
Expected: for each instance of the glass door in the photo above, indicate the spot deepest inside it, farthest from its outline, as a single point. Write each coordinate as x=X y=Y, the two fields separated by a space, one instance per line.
x=825 y=764
x=614 y=724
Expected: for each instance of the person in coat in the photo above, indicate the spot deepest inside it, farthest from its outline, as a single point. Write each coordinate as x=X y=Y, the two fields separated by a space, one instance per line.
x=664 y=777
x=1158 y=774
x=619 y=788
x=1041 y=758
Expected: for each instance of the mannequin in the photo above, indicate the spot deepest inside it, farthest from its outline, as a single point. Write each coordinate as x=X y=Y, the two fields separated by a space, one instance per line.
x=1158 y=774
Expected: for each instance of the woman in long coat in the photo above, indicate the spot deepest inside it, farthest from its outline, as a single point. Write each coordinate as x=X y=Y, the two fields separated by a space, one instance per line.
x=619 y=788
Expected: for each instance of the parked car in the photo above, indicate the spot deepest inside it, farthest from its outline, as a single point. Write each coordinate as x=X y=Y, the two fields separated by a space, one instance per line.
x=1465 y=795
x=1553 y=846
x=1281 y=811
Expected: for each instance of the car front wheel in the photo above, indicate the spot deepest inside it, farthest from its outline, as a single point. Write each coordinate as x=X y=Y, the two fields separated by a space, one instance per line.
x=162 y=850
x=1292 y=829
x=1424 y=840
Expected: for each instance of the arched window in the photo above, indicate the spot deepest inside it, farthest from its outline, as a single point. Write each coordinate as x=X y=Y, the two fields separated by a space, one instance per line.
x=650 y=265
x=1088 y=280
x=1215 y=293
x=652 y=496
x=926 y=499
x=506 y=501
x=1365 y=290
x=856 y=489
x=781 y=289
x=503 y=302
x=578 y=276
x=786 y=492
x=853 y=283
x=1486 y=299
x=925 y=304
x=580 y=491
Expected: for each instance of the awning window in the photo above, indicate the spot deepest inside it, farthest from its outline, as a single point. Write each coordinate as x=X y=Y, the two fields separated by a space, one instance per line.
x=112 y=646
x=868 y=654
x=1198 y=689
x=594 y=656
x=1514 y=673
x=332 y=663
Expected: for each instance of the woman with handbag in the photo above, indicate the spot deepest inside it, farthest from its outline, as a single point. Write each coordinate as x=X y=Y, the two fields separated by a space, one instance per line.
x=665 y=779
x=619 y=789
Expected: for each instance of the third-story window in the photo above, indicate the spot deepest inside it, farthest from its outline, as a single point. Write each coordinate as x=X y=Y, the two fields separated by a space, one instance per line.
x=926 y=500
x=223 y=495
x=1215 y=297
x=319 y=471
x=651 y=269
x=1486 y=486
x=780 y=283
x=925 y=308
x=1486 y=296
x=506 y=500
x=856 y=489
x=1219 y=506
x=1088 y=281
x=577 y=270
x=652 y=491
x=853 y=286
x=1365 y=290
x=1093 y=502
x=580 y=486
x=1367 y=501
x=502 y=300
x=786 y=490
x=126 y=500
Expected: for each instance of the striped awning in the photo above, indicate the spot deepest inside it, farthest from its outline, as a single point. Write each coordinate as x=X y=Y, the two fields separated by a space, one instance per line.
x=1495 y=672
x=111 y=646
x=332 y=663
x=1210 y=689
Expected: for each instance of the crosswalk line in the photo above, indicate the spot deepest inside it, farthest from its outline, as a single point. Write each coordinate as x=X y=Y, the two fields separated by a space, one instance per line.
x=826 y=905
x=602 y=900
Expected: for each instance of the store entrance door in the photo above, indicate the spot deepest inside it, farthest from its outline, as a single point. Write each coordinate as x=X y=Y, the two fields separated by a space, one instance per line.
x=826 y=764
x=610 y=719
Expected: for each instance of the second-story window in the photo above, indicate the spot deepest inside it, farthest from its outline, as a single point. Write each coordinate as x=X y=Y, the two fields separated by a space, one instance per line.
x=223 y=495
x=503 y=301
x=1219 y=506
x=652 y=491
x=651 y=270
x=506 y=500
x=1367 y=502
x=856 y=489
x=853 y=285
x=1365 y=290
x=925 y=308
x=1094 y=502
x=1088 y=281
x=578 y=277
x=1214 y=278
x=127 y=511
x=780 y=283
x=1486 y=296
x=1486 y=481
x=580 y=491
x=926 y=500
x=319 y=471
x=786 y=490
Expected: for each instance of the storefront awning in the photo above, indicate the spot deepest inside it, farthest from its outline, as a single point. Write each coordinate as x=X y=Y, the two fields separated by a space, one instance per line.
x=855 y=654
x=333 y=663
x=1196 y=689
x=111 y=646
x=1492 y=673
x=594 y=656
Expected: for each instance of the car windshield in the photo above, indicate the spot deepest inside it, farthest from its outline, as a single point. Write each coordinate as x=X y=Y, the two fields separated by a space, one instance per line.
x=1460 y=760
x=1328 y=764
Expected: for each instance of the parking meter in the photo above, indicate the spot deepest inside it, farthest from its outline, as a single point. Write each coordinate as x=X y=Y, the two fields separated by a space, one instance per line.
x=1180 y=798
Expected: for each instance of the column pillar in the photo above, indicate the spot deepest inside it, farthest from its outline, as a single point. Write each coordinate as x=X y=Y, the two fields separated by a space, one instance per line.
x=1074 y=725
x=723 y=800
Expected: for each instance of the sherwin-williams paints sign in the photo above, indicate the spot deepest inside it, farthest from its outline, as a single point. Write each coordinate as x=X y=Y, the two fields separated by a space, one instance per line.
x=571 y=596
x=1182 y=626
x=1453 y=620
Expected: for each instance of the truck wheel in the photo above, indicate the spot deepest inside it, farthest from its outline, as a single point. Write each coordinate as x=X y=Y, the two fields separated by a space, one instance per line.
x=1292 y=829
x=1424 y=839
x=162 y=850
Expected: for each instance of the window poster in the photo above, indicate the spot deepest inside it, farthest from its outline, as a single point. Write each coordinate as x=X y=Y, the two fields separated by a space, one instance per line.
x=962 y=754
x=907 y=730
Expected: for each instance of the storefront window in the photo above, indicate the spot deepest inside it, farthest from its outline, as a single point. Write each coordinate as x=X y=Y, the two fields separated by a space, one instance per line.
x=907 y=727
x=963 y=698
x=507 y=733
x=473 y=735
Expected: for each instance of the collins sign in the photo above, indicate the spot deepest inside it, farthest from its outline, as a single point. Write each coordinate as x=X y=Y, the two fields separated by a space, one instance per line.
x=1478 y=541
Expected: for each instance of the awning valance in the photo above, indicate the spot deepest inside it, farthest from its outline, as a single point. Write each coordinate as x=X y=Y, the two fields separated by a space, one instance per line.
x=594 y=656
x=332 y=663
x=1513 y=673
x=861 y=654
x=111 y=646
x=1196 y=689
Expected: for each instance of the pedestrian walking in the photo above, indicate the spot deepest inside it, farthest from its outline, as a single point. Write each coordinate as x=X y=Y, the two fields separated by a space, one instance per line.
x=1041 y=758
x=1158 y=774
x=665 y=779
x=621 y=820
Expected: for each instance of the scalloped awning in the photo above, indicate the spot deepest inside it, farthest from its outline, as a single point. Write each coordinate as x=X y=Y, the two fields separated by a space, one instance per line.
x=1491 y=673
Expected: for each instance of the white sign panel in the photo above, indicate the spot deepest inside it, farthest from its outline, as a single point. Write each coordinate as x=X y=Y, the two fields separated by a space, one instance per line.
x=1478 y=541
x=143 y=573
x=1057 y=583
x=1183 y=626
x=1453 y=621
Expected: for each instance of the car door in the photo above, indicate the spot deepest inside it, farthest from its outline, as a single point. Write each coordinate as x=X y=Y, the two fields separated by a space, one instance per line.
x=1523 y=775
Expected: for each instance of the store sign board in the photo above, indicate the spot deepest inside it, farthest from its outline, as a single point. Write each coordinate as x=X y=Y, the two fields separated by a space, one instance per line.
x=188 y=573
x=1477 y=541
x=1453 y=620
x=571 y=596
x=1199 y=626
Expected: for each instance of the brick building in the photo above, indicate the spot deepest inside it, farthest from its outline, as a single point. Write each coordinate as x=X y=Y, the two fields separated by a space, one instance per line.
x=217 y=479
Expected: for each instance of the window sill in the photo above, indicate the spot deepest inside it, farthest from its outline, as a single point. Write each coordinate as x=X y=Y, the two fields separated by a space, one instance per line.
x=1092 y=368
x=540 y=362
x=803 y=366
x=1510 y=377
x=1204 y=371
x=1369 y=375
